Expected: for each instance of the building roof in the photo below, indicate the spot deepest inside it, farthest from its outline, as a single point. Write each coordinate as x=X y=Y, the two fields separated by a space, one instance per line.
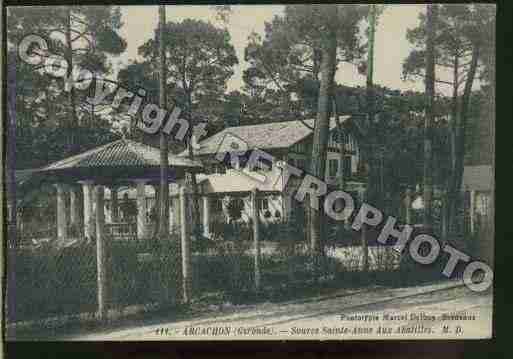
x=120 y=153
x=263 y=136
x=235 y=181
x=477 y=178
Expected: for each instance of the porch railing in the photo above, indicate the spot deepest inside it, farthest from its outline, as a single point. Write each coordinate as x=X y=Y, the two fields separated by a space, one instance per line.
x=122 y=230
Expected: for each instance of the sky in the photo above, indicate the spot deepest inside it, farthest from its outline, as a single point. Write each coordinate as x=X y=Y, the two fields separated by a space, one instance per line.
x=391 y=46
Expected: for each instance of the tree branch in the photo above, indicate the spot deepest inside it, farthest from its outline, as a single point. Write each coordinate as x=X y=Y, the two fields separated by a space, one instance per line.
x=418 y=74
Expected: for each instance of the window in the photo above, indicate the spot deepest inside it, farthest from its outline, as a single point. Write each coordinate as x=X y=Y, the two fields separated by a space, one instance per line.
x=264 y=204
x=334 y=138
x=337 y=138
x=216 y=205
x=299 y=147
x=347 y=166
x=333 y=167
x=263 y=166
x=220 y=168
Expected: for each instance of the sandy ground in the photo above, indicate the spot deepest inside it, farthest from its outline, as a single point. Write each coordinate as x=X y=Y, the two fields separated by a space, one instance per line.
x=399 y=313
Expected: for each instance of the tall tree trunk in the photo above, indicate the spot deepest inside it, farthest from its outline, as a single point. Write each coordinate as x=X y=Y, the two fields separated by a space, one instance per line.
x=73 y=125
x=9 y=167
x=487 y=240
x=454 y=110
x=321 y=130
x=460 y=136
x=341 y=136
x=11 y=150
x=370 y=169
x=451 y=193
x=341 y=175
x=164 y=147
x=48 y=105
x=430 y=114
x=316 y=59
x=191 y=179
x=465 y=107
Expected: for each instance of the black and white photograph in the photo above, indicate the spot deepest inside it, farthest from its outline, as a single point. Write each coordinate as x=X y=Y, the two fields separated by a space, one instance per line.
x=249 y=172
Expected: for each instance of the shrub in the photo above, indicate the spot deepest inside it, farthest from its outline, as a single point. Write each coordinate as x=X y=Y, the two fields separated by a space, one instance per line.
x=226 y=267
x=234 y=208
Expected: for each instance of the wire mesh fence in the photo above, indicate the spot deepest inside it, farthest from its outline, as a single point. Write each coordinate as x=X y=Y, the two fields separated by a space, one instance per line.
x=225 y=267
x=143 y=272
x=52 y=282
x=48 y=281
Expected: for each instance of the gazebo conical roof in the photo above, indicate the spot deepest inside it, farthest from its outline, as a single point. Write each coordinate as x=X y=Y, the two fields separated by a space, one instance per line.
x=117 y=162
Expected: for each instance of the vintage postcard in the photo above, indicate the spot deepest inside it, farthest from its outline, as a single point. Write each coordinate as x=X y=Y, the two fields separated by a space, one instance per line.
x=249 y=172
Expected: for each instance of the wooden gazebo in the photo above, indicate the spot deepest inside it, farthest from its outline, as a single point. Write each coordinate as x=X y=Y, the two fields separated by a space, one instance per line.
x=119 y=163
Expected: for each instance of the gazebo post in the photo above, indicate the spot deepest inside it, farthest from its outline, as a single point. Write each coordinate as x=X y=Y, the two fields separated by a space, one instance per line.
x=206 y=216
x=73 y=207
x=89 y=224
x=172 y=213
x=62 y=215
x=175 y=225
x=141 y=209
x=156 y=188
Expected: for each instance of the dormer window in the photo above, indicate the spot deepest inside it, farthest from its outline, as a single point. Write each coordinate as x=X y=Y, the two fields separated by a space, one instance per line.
x=219 y=168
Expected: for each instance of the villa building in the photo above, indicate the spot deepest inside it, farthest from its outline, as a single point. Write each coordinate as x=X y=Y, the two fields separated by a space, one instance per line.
x=227 y=176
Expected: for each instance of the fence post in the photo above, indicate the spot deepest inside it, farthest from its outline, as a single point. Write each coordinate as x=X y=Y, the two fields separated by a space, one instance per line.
x=407 y=206
x=364 y=238
x=256 y=236
x=101 y=253
x=185 y=239
x=472 y=210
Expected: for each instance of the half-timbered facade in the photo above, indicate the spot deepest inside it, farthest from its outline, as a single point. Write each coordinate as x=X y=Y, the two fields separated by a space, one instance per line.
x=291 y=142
